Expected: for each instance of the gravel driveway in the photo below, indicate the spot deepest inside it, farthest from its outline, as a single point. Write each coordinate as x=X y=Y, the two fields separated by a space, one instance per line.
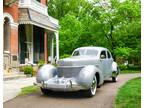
x=104 y=97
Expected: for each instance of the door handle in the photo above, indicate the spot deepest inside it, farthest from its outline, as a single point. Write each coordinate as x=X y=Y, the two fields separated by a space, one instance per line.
x=101 y=60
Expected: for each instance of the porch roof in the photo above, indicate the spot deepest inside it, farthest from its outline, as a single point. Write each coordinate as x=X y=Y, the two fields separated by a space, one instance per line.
x=29 y=16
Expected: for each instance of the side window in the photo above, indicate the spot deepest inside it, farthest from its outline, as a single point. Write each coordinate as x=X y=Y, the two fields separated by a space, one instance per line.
x=76 y=53
x=109 y=55
x=103 y=55
x=38 y=0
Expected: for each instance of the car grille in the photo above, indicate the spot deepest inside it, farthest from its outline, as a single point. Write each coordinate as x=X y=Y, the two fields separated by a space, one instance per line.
x=68 y=72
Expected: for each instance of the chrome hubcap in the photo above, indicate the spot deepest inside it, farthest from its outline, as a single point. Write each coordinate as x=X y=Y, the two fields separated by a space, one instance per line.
x=93 y=86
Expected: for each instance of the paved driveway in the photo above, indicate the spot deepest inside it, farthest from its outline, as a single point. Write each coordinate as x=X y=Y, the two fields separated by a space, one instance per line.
x=104 y=97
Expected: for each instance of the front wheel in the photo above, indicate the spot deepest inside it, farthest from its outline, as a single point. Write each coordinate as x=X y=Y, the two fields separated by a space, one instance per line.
x=92 y=90
x=44 y=91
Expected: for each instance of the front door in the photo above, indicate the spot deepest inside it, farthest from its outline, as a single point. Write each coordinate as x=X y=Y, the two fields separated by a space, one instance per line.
x=103 y=63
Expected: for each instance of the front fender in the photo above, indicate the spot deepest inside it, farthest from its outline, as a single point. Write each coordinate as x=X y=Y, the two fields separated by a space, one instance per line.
x=46 y=72
x=85 y=76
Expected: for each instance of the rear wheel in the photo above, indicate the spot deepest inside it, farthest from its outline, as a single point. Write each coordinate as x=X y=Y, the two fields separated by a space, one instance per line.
x=92 y=90
x=114 y=79
x=114 y=76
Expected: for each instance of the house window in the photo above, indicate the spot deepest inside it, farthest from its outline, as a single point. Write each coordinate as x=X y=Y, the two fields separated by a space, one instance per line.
x=6 y=34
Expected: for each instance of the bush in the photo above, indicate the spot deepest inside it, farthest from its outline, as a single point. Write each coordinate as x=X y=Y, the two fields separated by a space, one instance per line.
x=41 y=63
x=134 y=67
x=64 y=56
x=21 y=68
x=129 y=67
x=35 y=69
x=123 y=67
x=28 y=70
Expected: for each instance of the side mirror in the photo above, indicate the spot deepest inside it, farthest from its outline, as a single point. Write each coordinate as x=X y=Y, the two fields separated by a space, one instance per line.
x=102 y=56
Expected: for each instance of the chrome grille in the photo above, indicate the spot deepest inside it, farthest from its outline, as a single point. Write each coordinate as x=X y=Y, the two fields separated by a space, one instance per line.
x=68 y=72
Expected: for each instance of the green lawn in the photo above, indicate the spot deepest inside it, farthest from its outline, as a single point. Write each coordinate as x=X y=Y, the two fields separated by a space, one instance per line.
x=29 y=90
x=130 y=71
x=129 y=95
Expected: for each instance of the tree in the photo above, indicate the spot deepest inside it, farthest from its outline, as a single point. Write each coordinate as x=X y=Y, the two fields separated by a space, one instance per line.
x=120 y=22
x=114 y=24
x=69 y=33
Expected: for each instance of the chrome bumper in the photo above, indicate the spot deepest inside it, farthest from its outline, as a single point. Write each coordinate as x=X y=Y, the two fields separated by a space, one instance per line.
x=60 y=84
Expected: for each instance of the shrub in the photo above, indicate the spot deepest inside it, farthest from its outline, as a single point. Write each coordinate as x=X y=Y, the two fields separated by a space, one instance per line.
x=123 y=67
x=28 y=70
x=134 y=67
x=129 y=67
x=65 y=56
x=41 y=63
x=21 y=68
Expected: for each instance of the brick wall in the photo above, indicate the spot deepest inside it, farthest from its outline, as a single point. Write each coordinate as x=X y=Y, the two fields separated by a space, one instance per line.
x=14 y=40
x=13 y=10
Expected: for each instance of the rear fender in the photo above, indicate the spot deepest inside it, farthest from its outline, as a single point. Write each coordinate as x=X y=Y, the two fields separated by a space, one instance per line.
x=115 y=68
x=101 y=78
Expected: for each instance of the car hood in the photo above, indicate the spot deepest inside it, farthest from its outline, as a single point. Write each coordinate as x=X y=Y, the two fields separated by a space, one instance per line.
x=78 y=61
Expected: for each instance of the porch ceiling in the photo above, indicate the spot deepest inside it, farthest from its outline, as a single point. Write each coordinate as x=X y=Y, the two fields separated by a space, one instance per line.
x=29 y=16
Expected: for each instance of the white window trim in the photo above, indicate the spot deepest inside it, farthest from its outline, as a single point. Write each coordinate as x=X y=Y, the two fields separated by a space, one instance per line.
x=9 y=16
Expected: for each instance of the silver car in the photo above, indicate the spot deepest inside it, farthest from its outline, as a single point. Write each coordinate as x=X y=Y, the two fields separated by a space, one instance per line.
x=86 y=70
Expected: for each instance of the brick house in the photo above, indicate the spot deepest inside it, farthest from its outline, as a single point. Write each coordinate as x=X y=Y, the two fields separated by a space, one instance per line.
x=29 y=33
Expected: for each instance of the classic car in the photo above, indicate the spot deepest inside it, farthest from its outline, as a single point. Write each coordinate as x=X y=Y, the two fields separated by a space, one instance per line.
x=85 y=70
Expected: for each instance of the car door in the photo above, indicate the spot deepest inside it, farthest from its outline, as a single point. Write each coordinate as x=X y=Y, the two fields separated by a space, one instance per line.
x=109 y=63
x=103 y=63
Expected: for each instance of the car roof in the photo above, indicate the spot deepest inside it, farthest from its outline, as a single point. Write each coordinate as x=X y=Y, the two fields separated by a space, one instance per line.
x=93 y=47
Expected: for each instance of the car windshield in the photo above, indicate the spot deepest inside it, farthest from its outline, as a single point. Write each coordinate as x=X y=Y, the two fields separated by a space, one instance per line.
x=91 y=52
x=88 y=52
x=79 y=52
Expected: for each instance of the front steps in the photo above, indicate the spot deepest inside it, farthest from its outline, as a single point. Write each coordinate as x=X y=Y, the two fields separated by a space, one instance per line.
x=12 y=76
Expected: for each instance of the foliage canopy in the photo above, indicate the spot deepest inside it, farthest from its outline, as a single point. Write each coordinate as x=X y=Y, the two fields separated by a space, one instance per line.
x=114 y=24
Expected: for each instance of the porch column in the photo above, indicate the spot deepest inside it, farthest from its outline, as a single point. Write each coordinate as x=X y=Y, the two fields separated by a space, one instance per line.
x=32 y=47
x=45 y=47
x=57 y=45
x=52 y=48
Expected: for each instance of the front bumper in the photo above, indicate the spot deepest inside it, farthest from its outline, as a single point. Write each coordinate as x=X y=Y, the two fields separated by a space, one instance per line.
x=60 y=84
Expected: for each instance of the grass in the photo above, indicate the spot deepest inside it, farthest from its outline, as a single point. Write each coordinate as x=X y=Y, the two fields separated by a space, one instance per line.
x=29 y=90
x=129 y=95
x=130 y=71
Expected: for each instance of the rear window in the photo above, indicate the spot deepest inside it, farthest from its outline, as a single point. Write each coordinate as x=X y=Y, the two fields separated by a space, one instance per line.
x=109 y=55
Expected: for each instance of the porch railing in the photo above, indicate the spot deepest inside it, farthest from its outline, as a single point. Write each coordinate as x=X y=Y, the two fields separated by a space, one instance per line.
x=33 y=4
